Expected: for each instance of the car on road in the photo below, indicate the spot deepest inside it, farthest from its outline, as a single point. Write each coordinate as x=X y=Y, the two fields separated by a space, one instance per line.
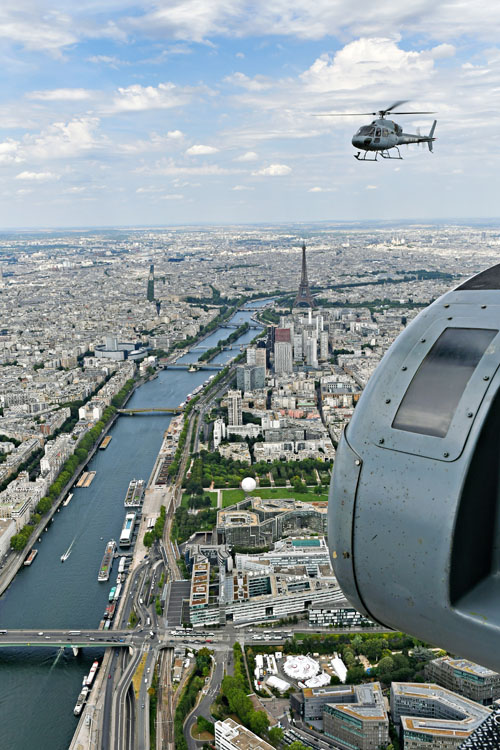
x=40 y=633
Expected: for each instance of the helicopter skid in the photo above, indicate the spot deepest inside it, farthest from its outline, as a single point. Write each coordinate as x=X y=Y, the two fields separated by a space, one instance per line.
x=384 y=153
x=365 y=157
x=387 y=155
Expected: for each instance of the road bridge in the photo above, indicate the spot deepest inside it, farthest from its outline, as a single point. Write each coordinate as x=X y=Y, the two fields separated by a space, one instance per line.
x=235 y=326
x=69 y=638
x=194 y=365
x=153 y=410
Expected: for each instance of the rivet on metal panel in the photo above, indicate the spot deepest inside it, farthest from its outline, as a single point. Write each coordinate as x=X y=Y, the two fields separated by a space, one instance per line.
x=357 y=462
x=422 y=341
x=483 y=307
x=486 y=377
x=388 y=401
x=445 y=305
x=404 y=367
x=470 y=414
x=450 y=318
x=446 y=454
x=381 y=441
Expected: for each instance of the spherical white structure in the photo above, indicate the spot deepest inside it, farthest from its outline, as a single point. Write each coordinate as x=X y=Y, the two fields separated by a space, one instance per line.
x=248 y=484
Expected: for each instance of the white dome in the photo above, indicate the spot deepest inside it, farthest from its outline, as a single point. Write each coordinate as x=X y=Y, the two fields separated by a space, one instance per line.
x=248 y=484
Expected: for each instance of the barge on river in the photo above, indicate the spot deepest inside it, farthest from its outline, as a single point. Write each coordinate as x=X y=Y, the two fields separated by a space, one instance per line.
x=107 y=561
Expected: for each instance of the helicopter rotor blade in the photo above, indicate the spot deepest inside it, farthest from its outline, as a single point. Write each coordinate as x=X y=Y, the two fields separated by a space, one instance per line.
x=396 y=104
x=414 y=113
x=344 y=114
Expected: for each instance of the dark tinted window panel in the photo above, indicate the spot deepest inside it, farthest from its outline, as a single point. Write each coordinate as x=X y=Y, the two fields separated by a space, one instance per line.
x=430 y=402
x=489 y=279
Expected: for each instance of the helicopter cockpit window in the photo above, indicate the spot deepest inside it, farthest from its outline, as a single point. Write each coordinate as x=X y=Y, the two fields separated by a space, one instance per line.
x=366 y=130
x=385 y=132
x=433 y=395
x=377 y=132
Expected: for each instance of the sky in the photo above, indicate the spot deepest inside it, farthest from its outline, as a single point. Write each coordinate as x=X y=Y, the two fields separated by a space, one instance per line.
x=137 y=113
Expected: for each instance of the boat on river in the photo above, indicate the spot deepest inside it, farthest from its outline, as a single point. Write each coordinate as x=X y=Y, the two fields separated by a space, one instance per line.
x=31 y=557
x=107 y=561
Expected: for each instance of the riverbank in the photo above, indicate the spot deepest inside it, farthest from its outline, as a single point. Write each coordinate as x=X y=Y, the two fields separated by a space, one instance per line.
x=44 y=683
x=16 y=559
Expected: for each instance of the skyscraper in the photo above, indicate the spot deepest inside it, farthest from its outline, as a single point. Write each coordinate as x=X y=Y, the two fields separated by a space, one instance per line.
x=151 y=284
x=283 y=360
x=234 y=415
x=304 y=296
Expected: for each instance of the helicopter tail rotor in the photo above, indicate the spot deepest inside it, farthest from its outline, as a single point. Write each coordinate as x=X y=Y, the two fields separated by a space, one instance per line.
x=431 y=135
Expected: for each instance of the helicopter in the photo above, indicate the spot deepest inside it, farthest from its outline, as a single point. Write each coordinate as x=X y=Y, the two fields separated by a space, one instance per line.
x=382 y=135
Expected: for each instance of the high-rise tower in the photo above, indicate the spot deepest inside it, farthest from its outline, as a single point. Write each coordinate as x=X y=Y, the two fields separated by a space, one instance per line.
x=304 y=296
x=151 y=284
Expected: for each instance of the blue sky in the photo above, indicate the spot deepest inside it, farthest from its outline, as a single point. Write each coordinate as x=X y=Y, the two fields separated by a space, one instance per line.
x=203 y=111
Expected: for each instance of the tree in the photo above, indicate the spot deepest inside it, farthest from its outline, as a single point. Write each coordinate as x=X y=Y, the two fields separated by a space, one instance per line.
x=259 y=722
x=275 y=736
x=357 y=644
x=355 y=675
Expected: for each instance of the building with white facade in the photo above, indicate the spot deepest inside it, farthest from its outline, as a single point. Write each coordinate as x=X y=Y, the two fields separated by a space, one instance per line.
x=234 y=413
x=232 y=736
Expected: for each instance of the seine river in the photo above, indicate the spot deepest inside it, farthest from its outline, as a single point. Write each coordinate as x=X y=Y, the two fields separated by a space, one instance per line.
x=39 y=686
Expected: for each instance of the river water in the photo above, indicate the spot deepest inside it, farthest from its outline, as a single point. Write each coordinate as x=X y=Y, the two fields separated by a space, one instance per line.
x=39 y=686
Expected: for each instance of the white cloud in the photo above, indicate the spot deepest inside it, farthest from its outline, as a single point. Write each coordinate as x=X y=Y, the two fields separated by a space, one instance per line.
x=137 y=98
x=169 y=167
x=247 y=156
x=368 y=62
x=59 y=140
x=112 y=62
x=318 y=189
x=9 y=152
x=198 y=20
x=201 y=150
x=37 y=176
x=35 y=27
x=371 y=187
x=175 y=135
x=242 y=187
x=68 y=95
x=173 y=197
x=62 y=140
x=274 y=170
x=258 y=83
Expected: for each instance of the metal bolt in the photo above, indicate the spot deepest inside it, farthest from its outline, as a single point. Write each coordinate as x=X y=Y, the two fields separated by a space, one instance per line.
x=404 y=367
x=388 y=401
x=450 y=318
x=446 y=454
x=483 y=307
x=422 y=341
x=357 y=462
x=446 y=305
x=381 y=441
x=486 y=377
x=470 y=414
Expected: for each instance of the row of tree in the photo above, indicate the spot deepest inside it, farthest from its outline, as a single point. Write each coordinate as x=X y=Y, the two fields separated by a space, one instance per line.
x=157 y=531
x=20 y=540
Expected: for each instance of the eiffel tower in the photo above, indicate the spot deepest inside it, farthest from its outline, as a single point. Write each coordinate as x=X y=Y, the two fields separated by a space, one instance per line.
x=304 y=296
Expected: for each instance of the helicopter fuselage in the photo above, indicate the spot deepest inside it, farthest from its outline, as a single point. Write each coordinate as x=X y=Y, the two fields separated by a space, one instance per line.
x=382 y=135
